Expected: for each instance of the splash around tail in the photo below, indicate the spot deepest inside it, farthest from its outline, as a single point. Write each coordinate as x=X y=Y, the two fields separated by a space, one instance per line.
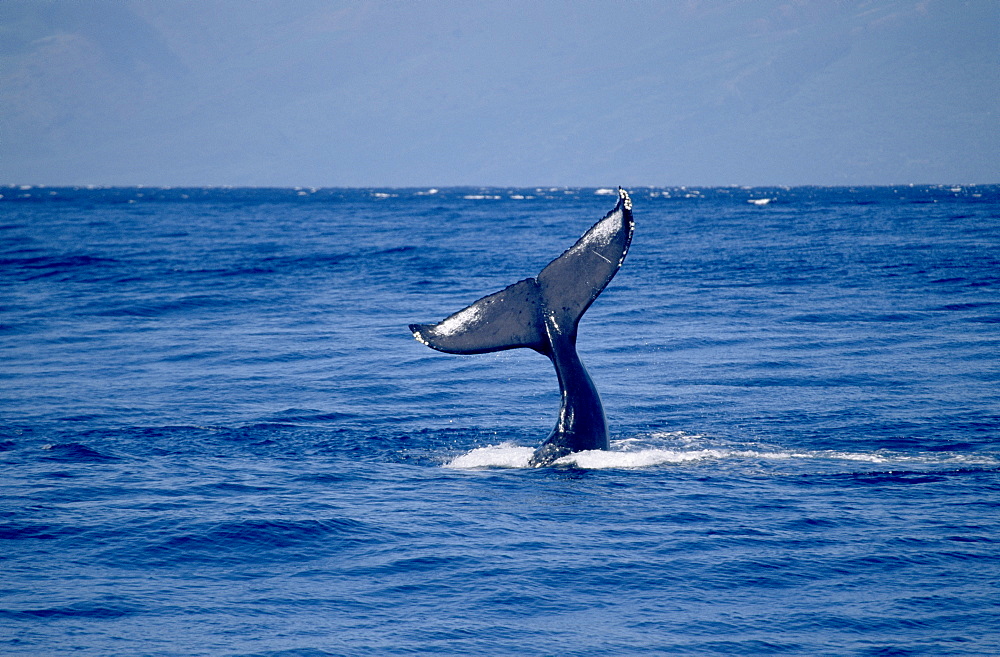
x=543 y=313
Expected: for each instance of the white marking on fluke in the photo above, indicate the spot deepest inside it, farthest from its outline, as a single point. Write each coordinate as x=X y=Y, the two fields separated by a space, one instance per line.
x=624 y=195
x=600 y=256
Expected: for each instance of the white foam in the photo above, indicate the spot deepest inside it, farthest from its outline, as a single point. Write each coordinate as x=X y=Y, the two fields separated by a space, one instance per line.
x=509 y=455
x=505 y=455
x=636 y=453
x=605 y=191
x=601 y=460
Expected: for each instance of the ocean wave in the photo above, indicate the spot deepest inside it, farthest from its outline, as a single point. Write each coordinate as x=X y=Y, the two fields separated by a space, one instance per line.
x=75 y=453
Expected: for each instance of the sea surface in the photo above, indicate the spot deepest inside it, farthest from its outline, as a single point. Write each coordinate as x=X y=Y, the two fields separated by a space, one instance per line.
x=218 y=437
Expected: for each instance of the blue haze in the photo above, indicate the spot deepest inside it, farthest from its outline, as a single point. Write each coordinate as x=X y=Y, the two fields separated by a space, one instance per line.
x=315 y=93
x=217 y=436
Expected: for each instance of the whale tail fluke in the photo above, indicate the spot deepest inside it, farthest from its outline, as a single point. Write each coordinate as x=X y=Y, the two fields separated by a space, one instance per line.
x=571 y=282
x=507 y=319
x=543 y=314
x=518 y=315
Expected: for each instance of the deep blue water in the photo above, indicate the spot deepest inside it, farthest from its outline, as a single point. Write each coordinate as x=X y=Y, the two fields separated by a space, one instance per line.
x=217 y=436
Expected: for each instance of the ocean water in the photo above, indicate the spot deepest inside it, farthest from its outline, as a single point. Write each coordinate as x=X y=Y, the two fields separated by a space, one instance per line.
x=217 y=436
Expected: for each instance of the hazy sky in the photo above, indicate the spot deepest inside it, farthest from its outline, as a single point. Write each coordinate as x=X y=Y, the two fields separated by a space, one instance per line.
x=435 y=93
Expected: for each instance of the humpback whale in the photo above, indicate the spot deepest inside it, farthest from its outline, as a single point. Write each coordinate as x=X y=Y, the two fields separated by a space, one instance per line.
x=543 y=313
